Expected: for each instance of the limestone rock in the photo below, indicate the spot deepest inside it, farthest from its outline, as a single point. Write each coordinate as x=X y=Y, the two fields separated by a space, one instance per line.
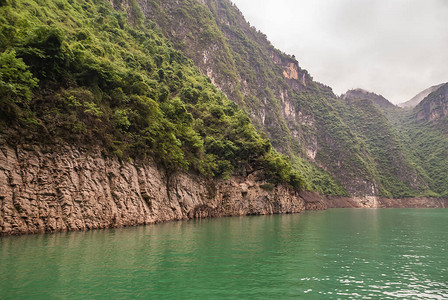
x=50 y=190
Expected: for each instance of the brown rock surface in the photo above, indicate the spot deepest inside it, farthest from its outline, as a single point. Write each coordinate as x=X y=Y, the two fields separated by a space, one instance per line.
x=48 y=190
x=379 y=202
x=418 y=202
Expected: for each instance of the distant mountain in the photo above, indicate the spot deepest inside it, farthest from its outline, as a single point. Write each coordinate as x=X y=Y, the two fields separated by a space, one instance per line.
x=434 y=106
x=377 y=100
x=419 y=97
x=424 y=133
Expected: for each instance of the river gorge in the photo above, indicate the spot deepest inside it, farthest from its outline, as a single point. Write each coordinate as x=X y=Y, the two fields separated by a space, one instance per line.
x=338 y=253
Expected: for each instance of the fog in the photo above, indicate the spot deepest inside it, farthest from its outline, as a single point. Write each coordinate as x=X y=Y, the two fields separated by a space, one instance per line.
x=396 y=48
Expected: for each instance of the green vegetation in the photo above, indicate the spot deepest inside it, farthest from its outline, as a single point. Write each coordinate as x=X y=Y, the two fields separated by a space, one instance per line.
x=357 y=149
x=96 y=73
x=84 y=72
x=397 y=173
x=427 y=142
x=240 y=61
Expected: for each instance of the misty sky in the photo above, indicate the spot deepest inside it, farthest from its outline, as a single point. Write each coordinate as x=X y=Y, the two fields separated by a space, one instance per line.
x=396 y=48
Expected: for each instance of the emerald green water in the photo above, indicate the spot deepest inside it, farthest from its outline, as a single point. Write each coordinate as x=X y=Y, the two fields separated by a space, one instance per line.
x=340 y=253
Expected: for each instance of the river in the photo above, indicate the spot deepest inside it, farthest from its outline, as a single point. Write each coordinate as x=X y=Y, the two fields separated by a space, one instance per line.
x=334 y=254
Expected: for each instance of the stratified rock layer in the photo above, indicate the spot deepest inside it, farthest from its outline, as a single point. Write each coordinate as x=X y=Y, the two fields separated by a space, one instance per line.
x=48 y=190
x=44 y=189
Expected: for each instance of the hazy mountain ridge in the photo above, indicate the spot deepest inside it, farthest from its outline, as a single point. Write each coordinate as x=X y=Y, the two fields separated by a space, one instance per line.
x=378 y=100
x=413 y=102
x=424 y=131
x=434 y=107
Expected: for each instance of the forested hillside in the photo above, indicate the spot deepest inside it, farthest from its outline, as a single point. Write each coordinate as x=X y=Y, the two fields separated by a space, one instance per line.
x=191 y=84
x=349 y=138
x=424 y=131
x=84 y=73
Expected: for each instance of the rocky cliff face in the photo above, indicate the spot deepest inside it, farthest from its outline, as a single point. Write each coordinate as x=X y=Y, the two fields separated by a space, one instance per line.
x=281 y=98
x=47 y=190
x=381 y=202
x=435 y=106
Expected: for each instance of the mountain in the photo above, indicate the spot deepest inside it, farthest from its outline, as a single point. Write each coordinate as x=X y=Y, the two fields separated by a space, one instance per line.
x=379 y=101
x=190 y=92
x=424 y=132
x=103 y=123
x=397 y=175
x=304 y=119
x=419 y=97
x=434 y=107
x=112 y=81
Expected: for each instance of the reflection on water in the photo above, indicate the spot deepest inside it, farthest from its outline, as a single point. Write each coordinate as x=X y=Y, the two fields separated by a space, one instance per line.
x=345 y=253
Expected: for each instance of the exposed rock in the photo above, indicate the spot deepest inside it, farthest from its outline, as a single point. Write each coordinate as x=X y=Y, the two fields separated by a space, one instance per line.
x=435 y=106
x=313 y=201
x=418 y=202
x=379 y=202
x=291 y=71
x=72 y=189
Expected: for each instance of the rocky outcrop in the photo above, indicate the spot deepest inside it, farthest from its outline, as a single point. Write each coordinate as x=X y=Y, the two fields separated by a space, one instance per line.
x=435 y=106
x=418 y=202
x=351 y=202
x=380 y=202
x=313 y=201
x=291 y=71
x=47 y=190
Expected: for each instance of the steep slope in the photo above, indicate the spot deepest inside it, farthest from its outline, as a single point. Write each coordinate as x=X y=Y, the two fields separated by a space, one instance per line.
x=379 y=101
x=114 y=75
x=414 y=101
x=303 y=118
x=429 y=144
x=44 y=190
x=423 y=132
x=83 y=76
x=426 y=132
x=104 y=82
x=397 y=173
x=247 y=68
x=435 y=106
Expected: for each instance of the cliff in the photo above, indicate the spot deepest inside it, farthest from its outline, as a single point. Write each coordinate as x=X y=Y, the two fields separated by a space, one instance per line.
x=381 y=202
x=340 y=146
x=67 y=188
x=172 y=98
x=435 y=106
x=45 y=189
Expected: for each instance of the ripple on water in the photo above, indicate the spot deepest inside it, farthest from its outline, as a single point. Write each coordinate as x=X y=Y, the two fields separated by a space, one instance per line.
x=348 y=254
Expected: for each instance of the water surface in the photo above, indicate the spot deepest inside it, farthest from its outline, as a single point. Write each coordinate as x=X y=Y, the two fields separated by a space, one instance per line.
x=340 y=253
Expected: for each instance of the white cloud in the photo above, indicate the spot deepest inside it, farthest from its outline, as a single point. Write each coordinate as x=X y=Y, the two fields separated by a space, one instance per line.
x=393 y=47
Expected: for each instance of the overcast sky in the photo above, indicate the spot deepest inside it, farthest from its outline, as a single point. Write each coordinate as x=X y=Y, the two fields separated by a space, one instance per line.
x=396 y=48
